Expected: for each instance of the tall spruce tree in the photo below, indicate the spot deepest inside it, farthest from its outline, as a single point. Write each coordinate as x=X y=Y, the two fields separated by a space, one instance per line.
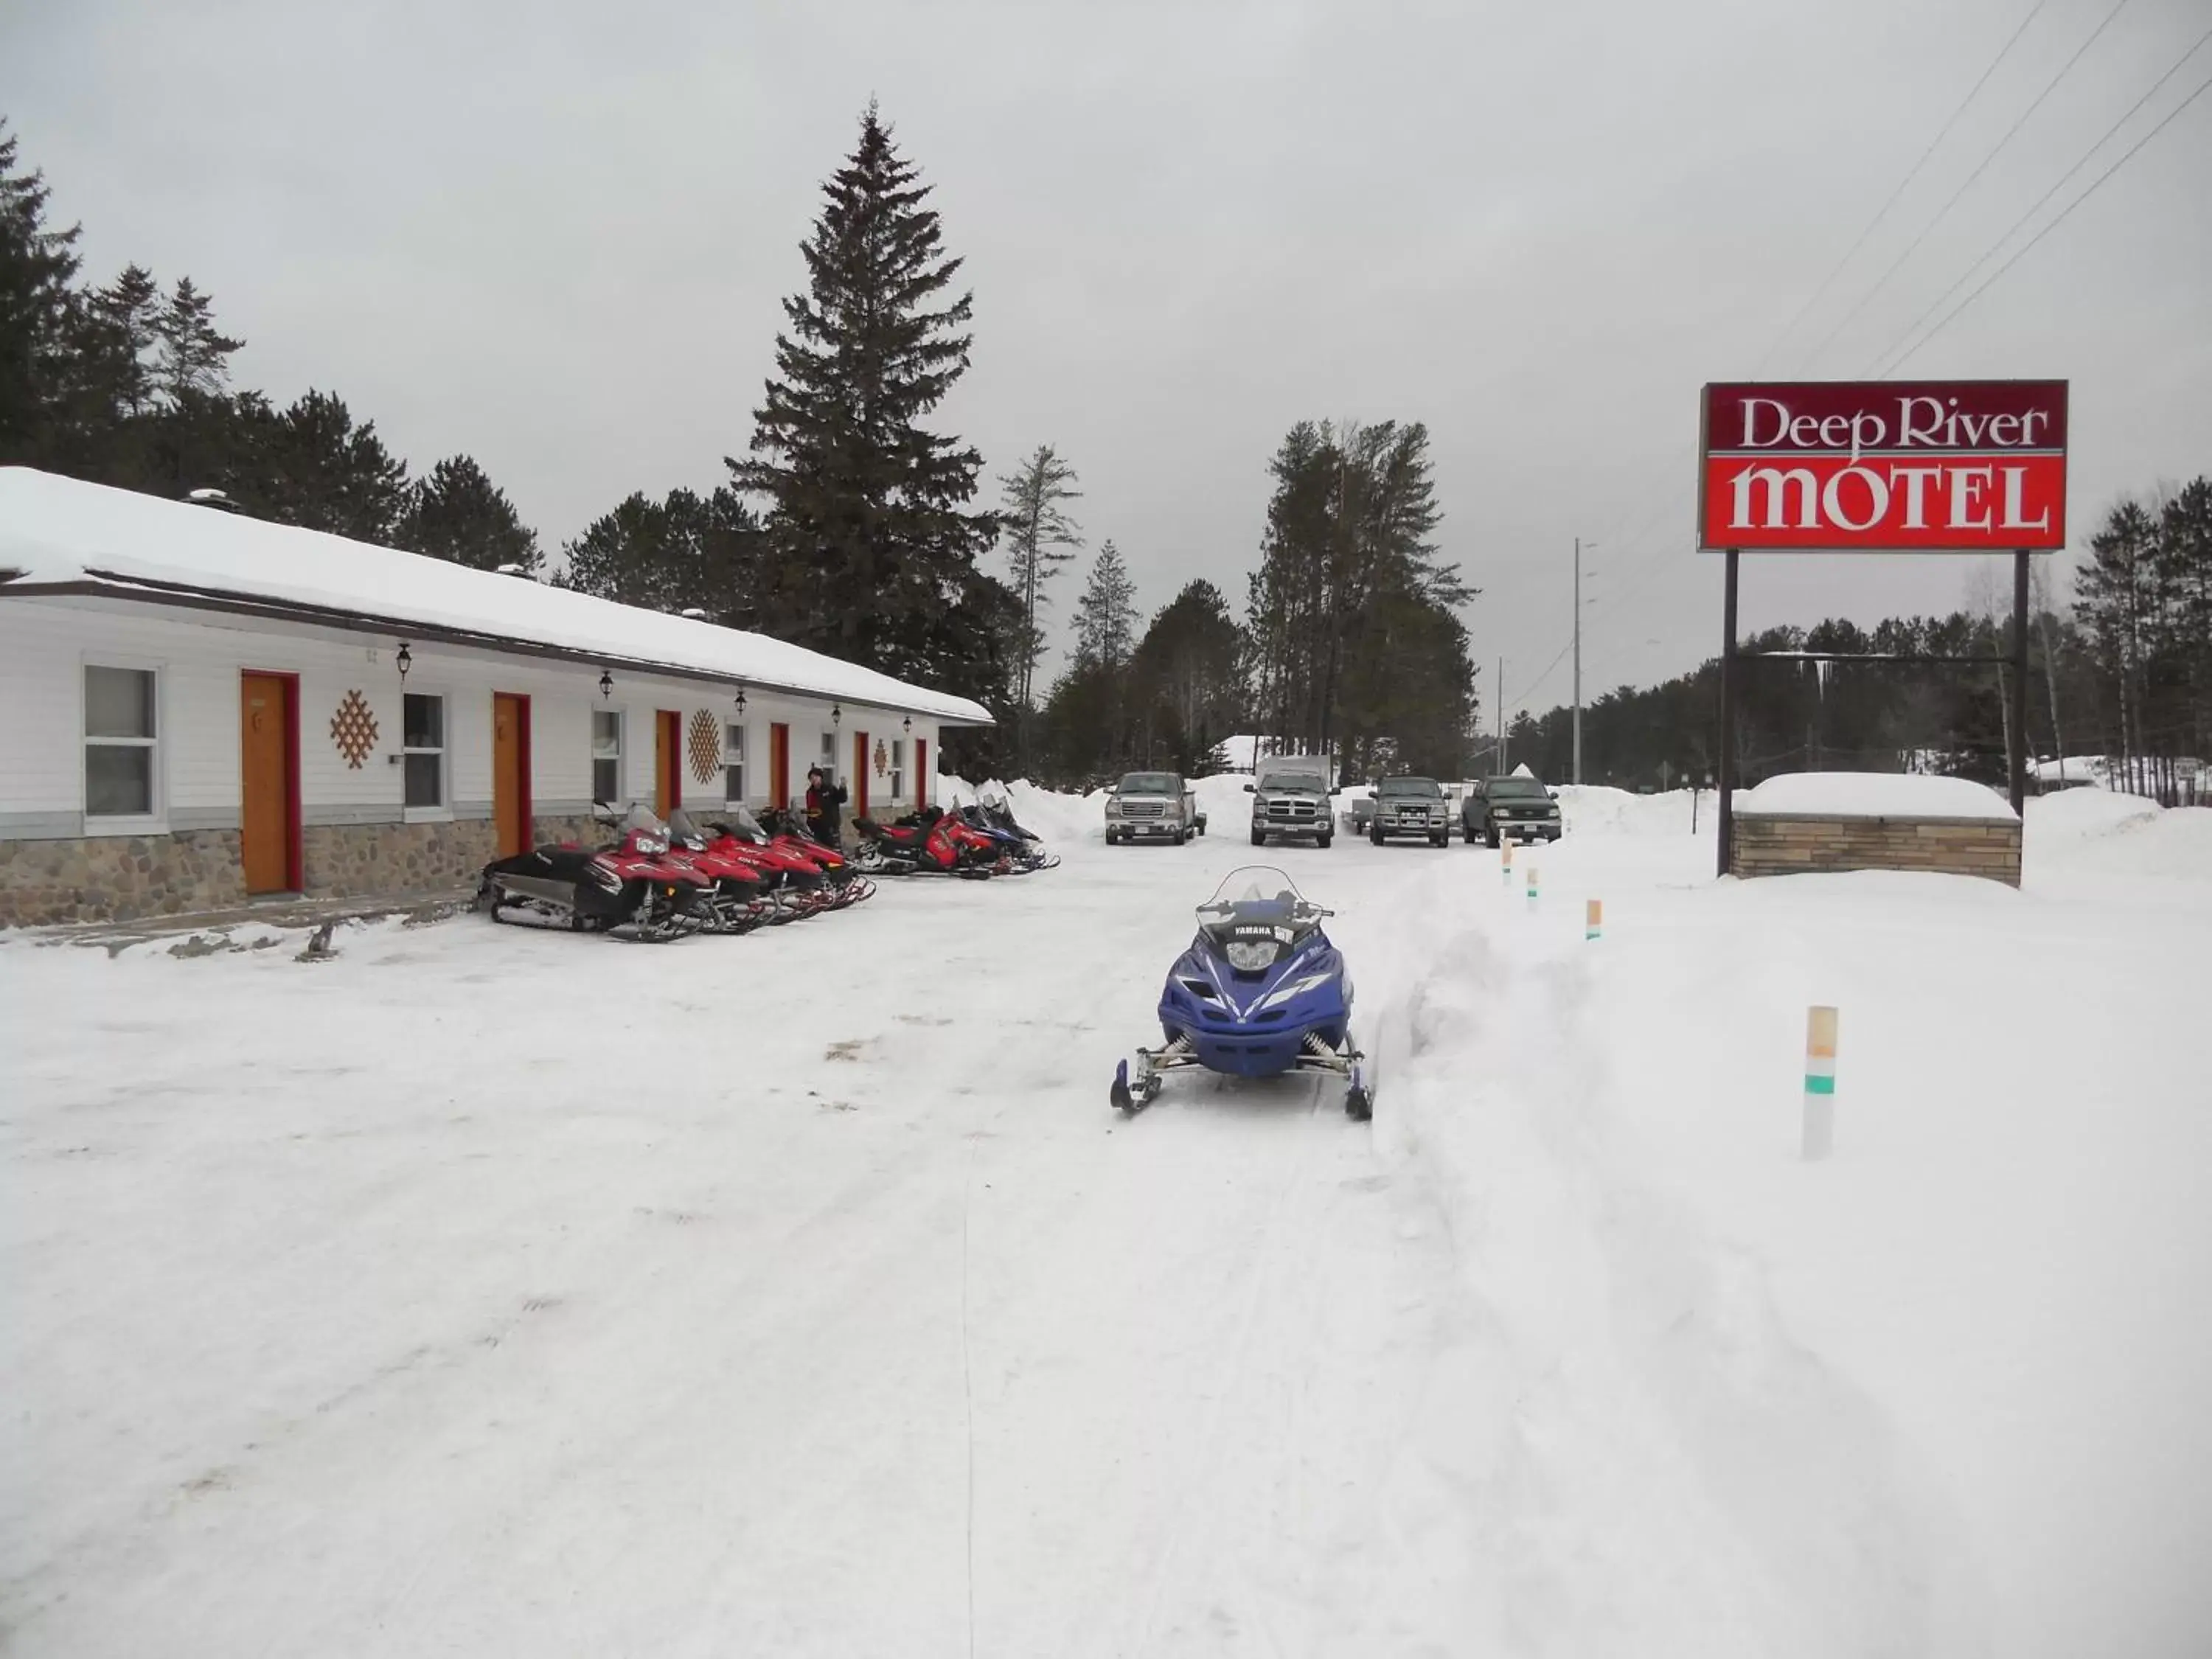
x=1106 y=615
x=194 y=358
x=1040 y=537
x=37 y=265
x=871 y=554
x=457 y=513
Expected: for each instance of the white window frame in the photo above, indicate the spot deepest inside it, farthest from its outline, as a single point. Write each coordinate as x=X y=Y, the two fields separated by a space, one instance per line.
x=737 y=745
x=621 y=753
x=898 y=770
x=156 y=821
x=827 y=761
x=443 y=812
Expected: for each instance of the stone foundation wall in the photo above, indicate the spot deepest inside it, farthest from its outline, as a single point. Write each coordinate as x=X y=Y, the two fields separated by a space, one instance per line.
x=119 y=877
x=126 y=877
x=1783 y=845
x=361 y=860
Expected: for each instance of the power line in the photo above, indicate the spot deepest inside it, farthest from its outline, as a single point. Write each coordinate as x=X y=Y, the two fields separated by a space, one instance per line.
x=1611 y=531
x=1912 y=172
x=1882 y=281
x=2203 y=88
x=1967 y=274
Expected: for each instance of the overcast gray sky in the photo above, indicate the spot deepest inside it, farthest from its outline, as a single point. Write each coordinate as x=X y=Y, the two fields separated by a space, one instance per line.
x=556 y=236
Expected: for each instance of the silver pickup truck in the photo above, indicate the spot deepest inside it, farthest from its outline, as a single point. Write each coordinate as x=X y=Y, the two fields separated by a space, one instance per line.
x=1410 y=806
x=1153 y=806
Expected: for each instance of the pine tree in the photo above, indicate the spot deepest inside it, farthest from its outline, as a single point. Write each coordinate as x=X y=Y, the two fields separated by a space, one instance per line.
x=37 y=266
x=1040 y=538
x=2116 y=597
x=687 y=552
x=311 y=466
x=2184 y=564
x=1345 y=559
x=1106 y=615
x=870 y=554
x=195 y=357
x=1187 y=677
x=457 y=513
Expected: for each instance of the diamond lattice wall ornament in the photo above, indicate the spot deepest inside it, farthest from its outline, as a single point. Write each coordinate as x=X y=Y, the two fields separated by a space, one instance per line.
x=882 y=759
x=706 y=746
x=353 y=729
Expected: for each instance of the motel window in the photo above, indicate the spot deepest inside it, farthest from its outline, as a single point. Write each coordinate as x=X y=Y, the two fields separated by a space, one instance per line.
x=119 y=742
x=898 y=769
x=829 y=761
x=733 y=764
x=423 y=743
x=606 y=755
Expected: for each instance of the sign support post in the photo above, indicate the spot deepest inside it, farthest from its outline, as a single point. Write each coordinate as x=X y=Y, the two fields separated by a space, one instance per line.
x=2018 y=759
x=1726 y=775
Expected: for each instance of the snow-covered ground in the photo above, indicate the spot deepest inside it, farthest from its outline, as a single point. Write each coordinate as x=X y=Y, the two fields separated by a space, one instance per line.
x=492 y=1293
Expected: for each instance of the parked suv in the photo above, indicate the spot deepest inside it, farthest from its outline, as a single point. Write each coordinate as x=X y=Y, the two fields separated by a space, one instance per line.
x=1154 y=806
x=1290 y=799
x=1519 y=808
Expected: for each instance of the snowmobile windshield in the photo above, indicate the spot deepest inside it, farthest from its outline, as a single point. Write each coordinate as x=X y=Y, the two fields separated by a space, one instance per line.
x=651 y=834
x=743 y=821
x=681 y=829
x=1255 y=915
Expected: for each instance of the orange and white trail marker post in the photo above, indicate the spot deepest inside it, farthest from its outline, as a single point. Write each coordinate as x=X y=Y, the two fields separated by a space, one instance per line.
x=1593 y=919
x=1532 y=887
x=1820 y=1125
x=1505 y=862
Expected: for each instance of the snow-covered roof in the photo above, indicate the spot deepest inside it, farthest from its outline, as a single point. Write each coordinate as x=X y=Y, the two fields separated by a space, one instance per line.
x=1874 y=795
x=63 y=533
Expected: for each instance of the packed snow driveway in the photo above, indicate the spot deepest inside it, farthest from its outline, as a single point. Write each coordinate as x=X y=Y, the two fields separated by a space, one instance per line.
x=489 y=1292
x=492 y=1292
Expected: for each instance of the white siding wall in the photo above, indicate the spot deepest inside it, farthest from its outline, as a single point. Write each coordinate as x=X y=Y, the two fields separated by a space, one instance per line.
x=44 y=645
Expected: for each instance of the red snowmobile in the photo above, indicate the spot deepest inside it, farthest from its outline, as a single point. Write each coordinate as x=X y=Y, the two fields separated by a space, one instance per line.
x=632 y=889
x=930 y=842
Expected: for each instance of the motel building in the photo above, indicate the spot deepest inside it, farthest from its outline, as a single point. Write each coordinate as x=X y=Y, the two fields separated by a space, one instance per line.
x=198 y=709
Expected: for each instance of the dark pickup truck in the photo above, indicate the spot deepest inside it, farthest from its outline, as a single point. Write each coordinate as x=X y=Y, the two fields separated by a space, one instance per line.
x=1513 y=808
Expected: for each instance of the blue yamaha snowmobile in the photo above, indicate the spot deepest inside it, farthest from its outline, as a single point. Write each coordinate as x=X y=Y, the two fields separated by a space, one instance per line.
x=1261 y=992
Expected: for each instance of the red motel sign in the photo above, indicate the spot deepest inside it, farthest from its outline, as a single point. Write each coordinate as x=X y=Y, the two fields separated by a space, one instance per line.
x=1950 y=467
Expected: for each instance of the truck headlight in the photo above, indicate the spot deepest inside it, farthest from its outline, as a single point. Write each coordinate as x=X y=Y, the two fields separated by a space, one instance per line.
x=1113 y=809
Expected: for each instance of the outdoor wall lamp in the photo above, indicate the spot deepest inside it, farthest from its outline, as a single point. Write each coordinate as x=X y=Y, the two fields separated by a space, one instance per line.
x=907 y=725
x=606 y=683
x=836 y=713
x=741 y=702
x=406 y=659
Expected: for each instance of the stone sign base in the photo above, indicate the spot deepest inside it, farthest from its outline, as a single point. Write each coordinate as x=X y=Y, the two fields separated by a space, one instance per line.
x=1789 y=843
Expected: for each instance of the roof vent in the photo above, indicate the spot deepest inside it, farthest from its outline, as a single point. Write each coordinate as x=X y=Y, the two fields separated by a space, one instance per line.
x=215 y=498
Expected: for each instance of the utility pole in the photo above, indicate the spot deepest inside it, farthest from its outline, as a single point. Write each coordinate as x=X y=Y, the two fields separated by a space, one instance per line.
x=1501 y=716
x=1578 y=657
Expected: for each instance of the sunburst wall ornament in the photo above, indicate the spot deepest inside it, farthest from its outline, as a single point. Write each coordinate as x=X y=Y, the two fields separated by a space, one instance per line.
x=353 y=729
x=706 y=746
x=882 y=759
